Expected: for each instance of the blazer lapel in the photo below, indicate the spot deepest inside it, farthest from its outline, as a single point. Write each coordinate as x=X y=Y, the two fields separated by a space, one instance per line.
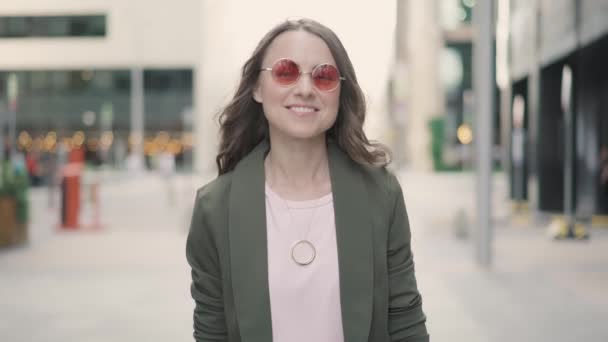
x=248 y=247
x=355 y=241
x=249 y=252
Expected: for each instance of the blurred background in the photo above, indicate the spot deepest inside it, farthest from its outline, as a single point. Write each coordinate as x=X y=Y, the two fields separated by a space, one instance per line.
x=496 y=112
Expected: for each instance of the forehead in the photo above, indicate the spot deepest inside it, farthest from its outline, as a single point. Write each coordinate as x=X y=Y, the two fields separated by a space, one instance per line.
x=303 y=47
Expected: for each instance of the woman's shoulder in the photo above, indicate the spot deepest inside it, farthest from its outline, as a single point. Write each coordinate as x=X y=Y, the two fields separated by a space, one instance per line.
x=214 y=193
x=382 y=186
x=377 y=177
x=381 y=178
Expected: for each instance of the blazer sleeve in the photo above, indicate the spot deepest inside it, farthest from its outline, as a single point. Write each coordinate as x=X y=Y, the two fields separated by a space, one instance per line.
x=206 y=286
x=406 y=320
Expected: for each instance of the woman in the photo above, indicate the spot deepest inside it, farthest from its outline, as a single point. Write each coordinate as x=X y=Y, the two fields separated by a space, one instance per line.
x=303 y=236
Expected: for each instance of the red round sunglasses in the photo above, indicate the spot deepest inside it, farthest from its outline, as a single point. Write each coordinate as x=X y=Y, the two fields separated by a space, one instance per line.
x=286 y=72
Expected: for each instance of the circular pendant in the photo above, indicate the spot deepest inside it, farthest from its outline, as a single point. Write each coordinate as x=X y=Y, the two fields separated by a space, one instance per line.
x=303 y=252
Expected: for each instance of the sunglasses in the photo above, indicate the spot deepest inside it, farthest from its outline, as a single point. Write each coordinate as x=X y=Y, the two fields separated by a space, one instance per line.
x=286 y=72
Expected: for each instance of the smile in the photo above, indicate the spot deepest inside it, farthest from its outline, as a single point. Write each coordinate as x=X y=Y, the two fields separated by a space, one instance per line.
x=302 y=110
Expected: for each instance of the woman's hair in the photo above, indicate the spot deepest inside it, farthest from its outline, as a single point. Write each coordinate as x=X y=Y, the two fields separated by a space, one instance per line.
x=243 y=124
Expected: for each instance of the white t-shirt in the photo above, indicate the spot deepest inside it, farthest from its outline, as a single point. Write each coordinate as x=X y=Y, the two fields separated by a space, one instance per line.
x=304 y=299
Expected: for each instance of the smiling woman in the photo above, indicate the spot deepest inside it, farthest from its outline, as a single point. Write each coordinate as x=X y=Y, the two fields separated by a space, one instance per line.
x=285 y=95
x=303 y=236
x=243 y=122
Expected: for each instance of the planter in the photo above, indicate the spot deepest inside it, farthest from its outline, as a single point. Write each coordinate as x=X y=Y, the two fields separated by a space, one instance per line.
x=14 y=204
x=8 y=222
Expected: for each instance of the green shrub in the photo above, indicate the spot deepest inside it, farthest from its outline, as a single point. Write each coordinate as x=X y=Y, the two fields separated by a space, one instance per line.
x=14 y=183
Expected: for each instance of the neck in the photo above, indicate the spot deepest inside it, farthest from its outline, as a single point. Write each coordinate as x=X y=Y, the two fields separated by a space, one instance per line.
x=298 y=169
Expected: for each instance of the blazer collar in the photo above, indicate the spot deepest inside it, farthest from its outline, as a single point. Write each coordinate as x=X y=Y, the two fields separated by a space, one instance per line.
x=248 y=246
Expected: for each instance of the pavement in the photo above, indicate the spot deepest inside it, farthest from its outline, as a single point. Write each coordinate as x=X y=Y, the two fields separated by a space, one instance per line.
x=129 y=280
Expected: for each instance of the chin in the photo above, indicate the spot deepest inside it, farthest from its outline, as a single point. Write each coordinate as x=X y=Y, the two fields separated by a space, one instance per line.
x=303 y=133
x=299 y=130
x=306 y=135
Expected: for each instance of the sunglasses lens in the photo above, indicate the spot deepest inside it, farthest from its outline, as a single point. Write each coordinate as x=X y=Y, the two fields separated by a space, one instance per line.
x=326 y=77
x=285 y=72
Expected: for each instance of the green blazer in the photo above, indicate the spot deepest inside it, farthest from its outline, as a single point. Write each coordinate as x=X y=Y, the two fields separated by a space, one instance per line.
x=226 y=248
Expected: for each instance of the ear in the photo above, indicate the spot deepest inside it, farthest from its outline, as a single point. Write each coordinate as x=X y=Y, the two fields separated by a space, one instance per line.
x=257 y=94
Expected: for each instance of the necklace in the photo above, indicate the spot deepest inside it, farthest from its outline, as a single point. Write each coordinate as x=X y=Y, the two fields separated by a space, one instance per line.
x=303 y=251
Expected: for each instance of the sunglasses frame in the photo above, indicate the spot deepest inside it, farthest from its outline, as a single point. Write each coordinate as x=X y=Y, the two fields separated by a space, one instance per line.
x=340 y=77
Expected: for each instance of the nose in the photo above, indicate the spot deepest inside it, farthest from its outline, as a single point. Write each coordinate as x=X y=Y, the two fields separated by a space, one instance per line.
x=304 y=86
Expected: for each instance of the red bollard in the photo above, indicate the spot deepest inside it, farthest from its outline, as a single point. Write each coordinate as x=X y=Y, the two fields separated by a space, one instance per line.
x=70 y=187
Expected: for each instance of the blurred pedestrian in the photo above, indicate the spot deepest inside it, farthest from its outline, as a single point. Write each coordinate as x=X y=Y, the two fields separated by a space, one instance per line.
x=304 y=235
x=166 y=168
x=34 y=171
x=134 y=162
x=518 y=152
x=119 y=152
x=49 y=165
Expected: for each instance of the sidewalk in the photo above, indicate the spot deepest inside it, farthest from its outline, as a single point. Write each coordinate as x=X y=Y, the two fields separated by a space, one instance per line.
x=536 y=290
x=130 y=282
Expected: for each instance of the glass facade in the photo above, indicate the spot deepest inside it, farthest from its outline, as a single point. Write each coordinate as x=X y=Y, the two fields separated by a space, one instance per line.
x=168 y=98
x=57 y=99
x=53 y=26
x=97 y=103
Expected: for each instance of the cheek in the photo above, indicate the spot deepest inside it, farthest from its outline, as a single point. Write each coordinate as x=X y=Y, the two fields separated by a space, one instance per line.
x=333 y=105
x=333 y=102
x=271 y=91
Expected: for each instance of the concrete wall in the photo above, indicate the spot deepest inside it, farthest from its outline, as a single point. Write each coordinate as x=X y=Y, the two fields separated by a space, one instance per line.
x=137 y=34
x=425 y=94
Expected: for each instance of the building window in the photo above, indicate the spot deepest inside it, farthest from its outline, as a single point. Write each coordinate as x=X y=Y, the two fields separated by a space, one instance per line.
x=53 y=26
x=162 y=80
x=168 y=98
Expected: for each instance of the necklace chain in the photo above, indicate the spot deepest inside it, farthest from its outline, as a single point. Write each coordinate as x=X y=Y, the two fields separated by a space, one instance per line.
x=310 y=222
x=299 y=243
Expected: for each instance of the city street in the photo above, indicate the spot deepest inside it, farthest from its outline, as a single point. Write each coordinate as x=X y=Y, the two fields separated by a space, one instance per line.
x=129 y=280
x=113 y=89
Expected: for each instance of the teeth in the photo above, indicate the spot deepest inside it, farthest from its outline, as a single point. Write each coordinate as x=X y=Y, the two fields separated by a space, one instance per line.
x=302 y=109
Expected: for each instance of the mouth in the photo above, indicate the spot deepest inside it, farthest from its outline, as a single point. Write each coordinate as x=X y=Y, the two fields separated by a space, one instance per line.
x=301 y=110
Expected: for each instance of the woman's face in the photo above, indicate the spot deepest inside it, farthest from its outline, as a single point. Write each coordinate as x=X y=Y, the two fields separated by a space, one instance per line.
x=300 y=110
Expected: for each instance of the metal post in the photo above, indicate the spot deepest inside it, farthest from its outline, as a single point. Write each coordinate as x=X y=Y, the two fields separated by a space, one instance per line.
x=137 y=114
x=12 y=130
x=400 y=80
x=483 y=86
x=12 y=92
x=566 y=102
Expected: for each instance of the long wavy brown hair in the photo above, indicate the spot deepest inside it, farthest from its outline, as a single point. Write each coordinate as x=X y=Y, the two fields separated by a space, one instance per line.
x=243 y=124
